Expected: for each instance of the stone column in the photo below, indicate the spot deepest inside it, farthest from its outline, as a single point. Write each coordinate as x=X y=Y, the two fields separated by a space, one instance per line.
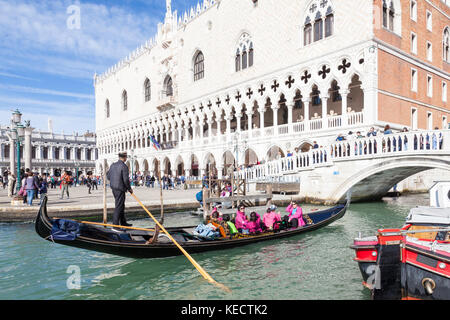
x=219 y=172
x=219 y=130
x=275 y=119
x=324 y=111
x=201 y=127
x=209 y=124
x=261 y=119
x=180 y=130
x=250 y=125
x=290 y=107
x=228 y=132
x=238 y=117
x=28 y=148
x=344 y=95
x=306 y=102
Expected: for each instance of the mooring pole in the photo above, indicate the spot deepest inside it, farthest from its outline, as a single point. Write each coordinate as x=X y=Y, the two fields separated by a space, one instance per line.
x=105 y=208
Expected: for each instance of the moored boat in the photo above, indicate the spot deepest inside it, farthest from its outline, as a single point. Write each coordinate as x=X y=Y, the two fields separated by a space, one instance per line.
x=134 y=243
x=412 y=262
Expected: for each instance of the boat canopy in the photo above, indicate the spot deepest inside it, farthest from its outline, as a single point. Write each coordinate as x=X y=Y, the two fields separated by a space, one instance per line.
x=429 y=215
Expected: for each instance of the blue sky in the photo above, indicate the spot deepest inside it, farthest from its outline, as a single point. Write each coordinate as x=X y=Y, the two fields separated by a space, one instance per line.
x=47 y=67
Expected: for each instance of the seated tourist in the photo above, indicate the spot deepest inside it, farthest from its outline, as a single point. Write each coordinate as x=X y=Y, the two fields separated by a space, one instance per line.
x=230 y=227
x=295 y=212
x=254 y=225
x=241 y=220
x=270 y=218
x=216 y=215
x=332 y=113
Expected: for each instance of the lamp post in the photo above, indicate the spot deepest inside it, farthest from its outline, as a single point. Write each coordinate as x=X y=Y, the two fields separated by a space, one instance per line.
x=17 y=135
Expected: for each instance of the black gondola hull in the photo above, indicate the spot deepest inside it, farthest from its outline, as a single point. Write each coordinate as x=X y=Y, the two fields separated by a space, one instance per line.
x=140 y=250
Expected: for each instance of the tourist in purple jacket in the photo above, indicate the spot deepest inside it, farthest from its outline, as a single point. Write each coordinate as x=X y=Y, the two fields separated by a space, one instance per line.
x=31 y=188
x=295 y=212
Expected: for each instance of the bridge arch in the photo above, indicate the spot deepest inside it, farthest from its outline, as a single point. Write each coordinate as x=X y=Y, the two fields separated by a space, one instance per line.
x=373 y=182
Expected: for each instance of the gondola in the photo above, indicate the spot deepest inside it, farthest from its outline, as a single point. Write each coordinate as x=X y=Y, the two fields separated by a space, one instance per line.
x=132 y=243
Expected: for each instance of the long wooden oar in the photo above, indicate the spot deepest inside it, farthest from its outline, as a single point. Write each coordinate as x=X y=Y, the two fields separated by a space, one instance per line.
x=196 y=265
x=110 y=225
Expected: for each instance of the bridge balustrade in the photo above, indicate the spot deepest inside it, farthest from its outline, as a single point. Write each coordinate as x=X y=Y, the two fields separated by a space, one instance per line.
x=382 y=145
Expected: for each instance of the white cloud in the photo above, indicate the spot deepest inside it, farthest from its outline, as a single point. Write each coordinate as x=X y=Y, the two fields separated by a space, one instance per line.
x=106 y=34
x=46 y=91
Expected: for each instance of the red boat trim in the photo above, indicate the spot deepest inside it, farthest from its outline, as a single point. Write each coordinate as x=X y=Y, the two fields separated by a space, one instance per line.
x=362 y=260
x=438 y=254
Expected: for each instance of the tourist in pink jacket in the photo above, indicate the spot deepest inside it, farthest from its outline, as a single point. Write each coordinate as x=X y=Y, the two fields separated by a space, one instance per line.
x=254 y=225
x=241 y=219
x=295 y=212
x=271 y=217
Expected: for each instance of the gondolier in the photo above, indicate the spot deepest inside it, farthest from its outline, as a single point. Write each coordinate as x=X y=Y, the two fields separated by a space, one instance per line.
x=119 y=178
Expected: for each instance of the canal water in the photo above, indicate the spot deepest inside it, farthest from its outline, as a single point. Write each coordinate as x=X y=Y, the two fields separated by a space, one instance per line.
x=316 y=265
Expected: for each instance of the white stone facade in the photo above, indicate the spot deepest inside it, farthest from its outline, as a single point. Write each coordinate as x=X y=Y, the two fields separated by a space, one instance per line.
x=289 y=95
x=51 y=152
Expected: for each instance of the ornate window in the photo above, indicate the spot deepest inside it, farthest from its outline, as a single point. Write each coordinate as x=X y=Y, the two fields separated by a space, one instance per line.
x=199 y=66
x=238 y=61
x=307 y=32
x=124 y=100
x=244 y=53
x=446 y=45
x=107 y=109
x=168 y=86
x=319 y=22
x=147 y=90
x=318 y=28
x=391 y=18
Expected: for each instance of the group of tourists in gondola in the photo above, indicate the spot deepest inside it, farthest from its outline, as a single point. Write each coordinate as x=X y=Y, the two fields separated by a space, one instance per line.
x=221 y=225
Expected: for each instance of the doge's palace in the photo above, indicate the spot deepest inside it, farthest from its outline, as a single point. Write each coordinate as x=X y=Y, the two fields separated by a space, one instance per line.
x=241 y=82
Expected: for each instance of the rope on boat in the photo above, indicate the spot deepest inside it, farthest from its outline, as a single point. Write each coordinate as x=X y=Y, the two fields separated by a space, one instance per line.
x=196 y=265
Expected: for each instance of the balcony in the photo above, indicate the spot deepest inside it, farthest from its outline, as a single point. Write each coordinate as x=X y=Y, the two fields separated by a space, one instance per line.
x=167 y=100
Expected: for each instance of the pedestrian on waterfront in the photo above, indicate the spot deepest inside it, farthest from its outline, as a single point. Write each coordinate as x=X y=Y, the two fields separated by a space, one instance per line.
x=89 y=184
x=118 y=176
x=65 y=181
x=95 y=183
x=11 y=184
x=43 y=188
x=31 y=187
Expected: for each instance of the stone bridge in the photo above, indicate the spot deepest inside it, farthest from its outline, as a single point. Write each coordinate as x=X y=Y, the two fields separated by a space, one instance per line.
x=369 y=166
